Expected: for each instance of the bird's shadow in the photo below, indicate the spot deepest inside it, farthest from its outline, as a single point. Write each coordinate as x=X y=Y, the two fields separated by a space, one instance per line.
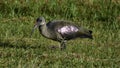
x=7 y=44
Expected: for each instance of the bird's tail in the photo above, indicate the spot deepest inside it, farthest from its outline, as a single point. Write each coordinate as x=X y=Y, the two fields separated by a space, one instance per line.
x=90 y=34
x=90 y=31
x=87 y=34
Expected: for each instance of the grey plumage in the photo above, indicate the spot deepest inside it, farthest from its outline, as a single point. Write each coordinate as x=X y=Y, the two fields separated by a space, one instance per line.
x=61 y=31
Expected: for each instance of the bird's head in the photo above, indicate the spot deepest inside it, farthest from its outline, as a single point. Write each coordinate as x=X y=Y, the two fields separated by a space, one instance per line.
x=39 y=22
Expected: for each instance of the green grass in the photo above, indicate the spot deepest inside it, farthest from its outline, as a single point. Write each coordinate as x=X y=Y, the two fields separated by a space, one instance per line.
x=18 y=50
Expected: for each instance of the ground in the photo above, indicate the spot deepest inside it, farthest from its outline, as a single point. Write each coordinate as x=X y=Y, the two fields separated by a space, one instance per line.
x=18 y=49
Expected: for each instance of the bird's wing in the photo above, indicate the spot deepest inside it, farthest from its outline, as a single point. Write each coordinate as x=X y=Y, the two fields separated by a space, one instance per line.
x=55 y=24
x=68 y=32
x=62 y=27
x=68 y=29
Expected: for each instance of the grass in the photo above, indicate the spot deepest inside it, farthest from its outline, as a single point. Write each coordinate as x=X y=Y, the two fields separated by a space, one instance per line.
x=18 y=50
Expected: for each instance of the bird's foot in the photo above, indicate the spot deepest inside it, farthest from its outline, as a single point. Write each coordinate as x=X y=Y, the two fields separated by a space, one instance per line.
x=63 y=47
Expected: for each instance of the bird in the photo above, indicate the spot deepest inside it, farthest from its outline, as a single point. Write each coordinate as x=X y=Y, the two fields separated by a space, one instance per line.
x=61 y=31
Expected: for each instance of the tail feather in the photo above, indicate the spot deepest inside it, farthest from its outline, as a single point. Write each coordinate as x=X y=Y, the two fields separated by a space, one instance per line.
x=87 y=35
x=90 y=31
x=90 y=36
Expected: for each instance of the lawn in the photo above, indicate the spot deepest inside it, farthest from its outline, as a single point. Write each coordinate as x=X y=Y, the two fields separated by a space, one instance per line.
x=19 y=50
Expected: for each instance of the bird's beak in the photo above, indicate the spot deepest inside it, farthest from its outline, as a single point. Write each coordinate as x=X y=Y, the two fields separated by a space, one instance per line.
x=35 y=26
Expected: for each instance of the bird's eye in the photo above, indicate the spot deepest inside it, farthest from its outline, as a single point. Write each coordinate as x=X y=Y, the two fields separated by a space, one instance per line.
x=39 y=20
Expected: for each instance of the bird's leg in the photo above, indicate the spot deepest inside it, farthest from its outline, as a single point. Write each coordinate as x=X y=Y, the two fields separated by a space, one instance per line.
x=63 y=44
x=61 y=40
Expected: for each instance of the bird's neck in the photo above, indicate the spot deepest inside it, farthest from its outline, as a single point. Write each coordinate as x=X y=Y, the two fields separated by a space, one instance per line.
x=44 y=30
